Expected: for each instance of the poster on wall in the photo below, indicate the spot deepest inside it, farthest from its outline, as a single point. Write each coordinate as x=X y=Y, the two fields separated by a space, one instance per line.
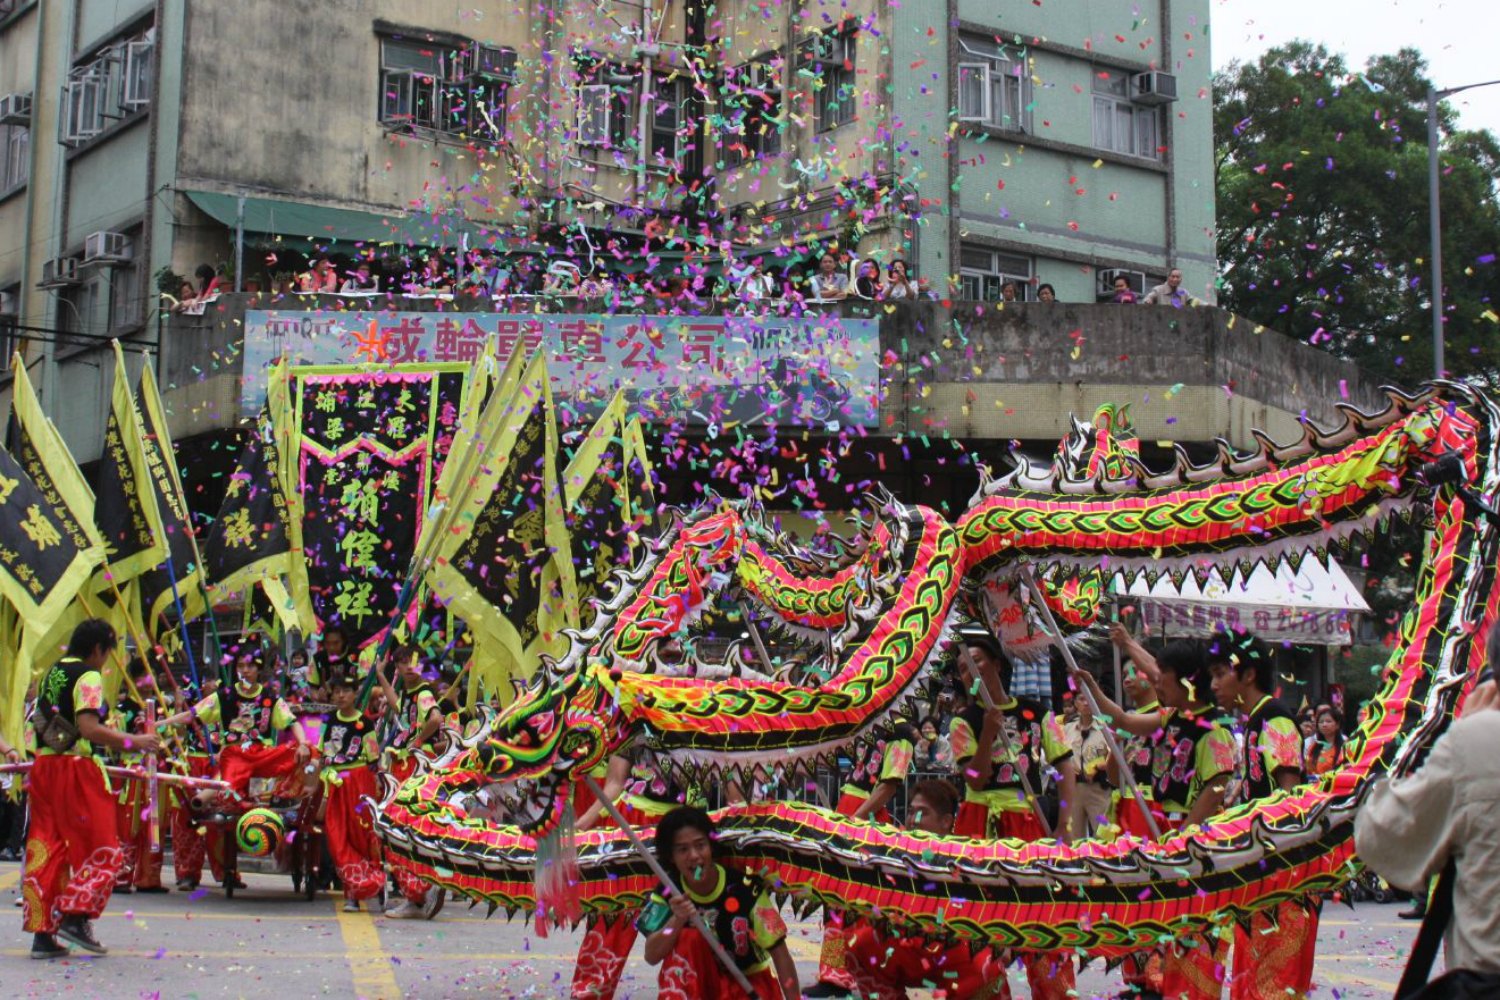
x=818 y=371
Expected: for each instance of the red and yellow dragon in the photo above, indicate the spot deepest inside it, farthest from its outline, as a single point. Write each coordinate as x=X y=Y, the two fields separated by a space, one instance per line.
x=890 y=607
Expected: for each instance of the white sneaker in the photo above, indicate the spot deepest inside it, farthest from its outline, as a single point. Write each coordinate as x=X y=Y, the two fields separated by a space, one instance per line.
x=351 y=906
x=405 y=910
x=433 y=902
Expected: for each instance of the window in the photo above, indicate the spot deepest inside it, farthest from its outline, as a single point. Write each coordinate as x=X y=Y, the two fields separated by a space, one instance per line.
x=117 y=84
x=607 y=104
x=1120 y=125
x=830 y=58
x=409 y=76
x=126 y=287
x=992 y=87
x=667 y=107
x=455 y=92
x=752 y=103
x=983 y=272
x=15 y=156
x=76 y=305
x=10 y=309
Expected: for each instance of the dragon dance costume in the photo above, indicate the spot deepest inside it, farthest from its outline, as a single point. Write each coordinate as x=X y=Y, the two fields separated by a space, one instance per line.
x=73 y=848
x=414 y=706
x=248 y=721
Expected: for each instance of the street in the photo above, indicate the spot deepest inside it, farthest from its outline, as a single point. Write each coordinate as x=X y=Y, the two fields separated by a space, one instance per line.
x=268 y=943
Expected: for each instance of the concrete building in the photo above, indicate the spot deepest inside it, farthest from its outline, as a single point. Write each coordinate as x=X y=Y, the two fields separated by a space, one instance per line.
x=143 y=140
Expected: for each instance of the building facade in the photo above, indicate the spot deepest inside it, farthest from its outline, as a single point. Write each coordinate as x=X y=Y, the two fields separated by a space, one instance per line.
x=1062 y=143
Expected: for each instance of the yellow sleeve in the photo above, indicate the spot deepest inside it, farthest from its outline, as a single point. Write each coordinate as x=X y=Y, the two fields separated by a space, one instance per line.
x=207 y=710
x=1215 y=755
x=896 y=761
x=1281 y=743
x=1054 y=742
x=282 y=716
x=962 y=740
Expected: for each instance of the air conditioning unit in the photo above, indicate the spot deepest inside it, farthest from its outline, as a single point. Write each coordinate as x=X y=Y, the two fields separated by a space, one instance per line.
x=1137 y=280
x=1154 y=87
x=15 y=109
x=106 y=248
x=493 y=61
x=59 y=272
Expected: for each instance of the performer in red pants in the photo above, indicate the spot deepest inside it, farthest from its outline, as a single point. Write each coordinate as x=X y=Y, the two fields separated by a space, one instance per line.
x=141 y=868
x=249 y=717
x=885 y=967
x=418 y=719
x=347 y=751
x=879 y=772
x=73 y=850
x=649 y=794
x=991 y=747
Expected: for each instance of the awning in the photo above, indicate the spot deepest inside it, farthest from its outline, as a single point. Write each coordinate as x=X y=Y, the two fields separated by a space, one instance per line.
x=1311 y=606
x=321 y=226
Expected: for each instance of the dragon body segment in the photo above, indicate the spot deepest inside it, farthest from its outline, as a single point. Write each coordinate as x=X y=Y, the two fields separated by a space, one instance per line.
x=891 y=606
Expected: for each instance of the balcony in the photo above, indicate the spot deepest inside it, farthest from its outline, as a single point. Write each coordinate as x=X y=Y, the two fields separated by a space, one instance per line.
x=971 y=370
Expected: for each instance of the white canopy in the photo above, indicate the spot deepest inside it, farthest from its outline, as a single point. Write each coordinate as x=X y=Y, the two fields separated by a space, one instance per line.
x=1310 y=606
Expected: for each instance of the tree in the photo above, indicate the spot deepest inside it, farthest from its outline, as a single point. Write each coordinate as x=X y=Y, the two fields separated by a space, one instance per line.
x=1321 y=179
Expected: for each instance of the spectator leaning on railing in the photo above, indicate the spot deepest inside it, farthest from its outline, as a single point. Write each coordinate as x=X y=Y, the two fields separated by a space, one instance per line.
x=1170 y=292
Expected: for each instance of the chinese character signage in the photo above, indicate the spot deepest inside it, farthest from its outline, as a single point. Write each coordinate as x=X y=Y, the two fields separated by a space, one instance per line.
x=720 y=370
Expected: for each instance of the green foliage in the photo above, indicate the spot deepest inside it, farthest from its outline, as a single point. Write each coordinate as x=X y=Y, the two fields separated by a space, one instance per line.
x=1322 y=206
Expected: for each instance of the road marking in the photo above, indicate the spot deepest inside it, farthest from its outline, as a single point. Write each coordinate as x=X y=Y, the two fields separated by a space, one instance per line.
x=10 y=879
x=368 y=961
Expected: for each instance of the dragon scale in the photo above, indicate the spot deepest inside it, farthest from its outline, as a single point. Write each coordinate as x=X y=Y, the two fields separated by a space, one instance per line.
x=890 y=606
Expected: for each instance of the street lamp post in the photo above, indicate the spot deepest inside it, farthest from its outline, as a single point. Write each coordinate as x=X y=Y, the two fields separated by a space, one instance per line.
x=1435 y=217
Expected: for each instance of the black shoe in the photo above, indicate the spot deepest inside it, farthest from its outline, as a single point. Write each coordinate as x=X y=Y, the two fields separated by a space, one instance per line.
x=153 y=889
x=825 y=991
x=1415 y=913
x=45 y=946
x=80 y=931
x=124 y=890
x=235 y=882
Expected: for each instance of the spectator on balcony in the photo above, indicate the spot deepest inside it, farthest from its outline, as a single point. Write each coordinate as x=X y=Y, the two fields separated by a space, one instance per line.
x=187 y=297
x=829 y=284
x=1123 y=296
x=596 y=286
x=867 y=283
x=1010 y=292
x=1170 y=292
x=360 y=281
x=432 y=279
x=897 y=284
x=757 y=286
x=1046 y=293
x=210 y=284
x=320 y=278
x=563 y=278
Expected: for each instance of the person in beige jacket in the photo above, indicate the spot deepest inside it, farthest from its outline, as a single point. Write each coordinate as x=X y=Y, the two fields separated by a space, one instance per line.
x=1449 y=807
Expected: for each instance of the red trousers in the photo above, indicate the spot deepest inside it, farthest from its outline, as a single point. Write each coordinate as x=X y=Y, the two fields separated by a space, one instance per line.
x=73 y=849
x=1189 y=970
x=1050 y=974
x=884 y=968
x=350 y=829
x=413 y=887
x=832 y=963
x=191 y=843
x=140 y=867
x=606 y=944
x=1275 y=959
x=693 y=972
x=239 y=762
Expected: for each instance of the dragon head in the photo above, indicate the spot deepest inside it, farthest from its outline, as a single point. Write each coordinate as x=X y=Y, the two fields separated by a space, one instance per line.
x=560 y=729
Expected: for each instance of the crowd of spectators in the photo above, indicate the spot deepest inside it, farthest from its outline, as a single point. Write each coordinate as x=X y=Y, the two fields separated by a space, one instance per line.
x=751 y=284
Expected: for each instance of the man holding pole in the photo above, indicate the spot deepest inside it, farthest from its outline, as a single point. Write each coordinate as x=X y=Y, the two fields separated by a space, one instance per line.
x=141 y=868
x=418 y=718
x=73 y=851
x=997 y=750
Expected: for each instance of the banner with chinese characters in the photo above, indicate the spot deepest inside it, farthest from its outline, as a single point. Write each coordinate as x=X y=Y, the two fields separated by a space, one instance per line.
x=815 y=371
x=370 y=446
